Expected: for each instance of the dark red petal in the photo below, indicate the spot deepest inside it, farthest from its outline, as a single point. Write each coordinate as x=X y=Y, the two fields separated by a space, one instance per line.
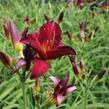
x=50 y=34
x=21 y=62
x=39 y=69
x=61 y=51
x=32 y=40
x=64 y=82
x=61 y=86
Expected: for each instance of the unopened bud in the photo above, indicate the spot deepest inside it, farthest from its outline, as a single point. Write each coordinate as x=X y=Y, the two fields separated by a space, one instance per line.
x=100 y=74
x=47 y=18
x=25 y=31
x=61 y=16
x=6 y=59
x=6 y=32
x=82 y=65
x=89 y=36
x=82 y=31
x=76 y=69
x=80 y=3
x=11 y=30
x=70 y=35
x=26 y=19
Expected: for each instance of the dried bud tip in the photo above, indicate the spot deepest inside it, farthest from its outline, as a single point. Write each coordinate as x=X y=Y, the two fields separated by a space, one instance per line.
x=25 y=31
x=69 y=35
x=82 y=25
x=47 y=18
x=61 y=16
x=26 y=19
x=100 y=74
x=89 y=36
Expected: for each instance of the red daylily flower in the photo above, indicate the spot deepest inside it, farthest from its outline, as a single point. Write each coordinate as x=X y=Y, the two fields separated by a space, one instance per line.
x=48 y=44
x=61 y=89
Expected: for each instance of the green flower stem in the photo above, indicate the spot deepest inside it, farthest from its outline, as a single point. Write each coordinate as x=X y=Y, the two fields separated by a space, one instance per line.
x=24 y=94
x=85 y=98
x=23 y=80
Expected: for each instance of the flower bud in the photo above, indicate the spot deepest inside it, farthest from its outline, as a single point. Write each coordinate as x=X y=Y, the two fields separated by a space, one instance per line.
x=61 y=16
x=26 y=19
x=12 y=32
x=47 y=18
x=70 y=36
x=6 y=59
x=76 y=69
x=100 y=74
x=82 y=31
x=82 y=65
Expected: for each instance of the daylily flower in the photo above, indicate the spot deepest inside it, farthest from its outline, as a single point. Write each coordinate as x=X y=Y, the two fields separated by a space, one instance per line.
x=6 y=59
x=12 y=33
x=61 y=89
x=48 y=45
